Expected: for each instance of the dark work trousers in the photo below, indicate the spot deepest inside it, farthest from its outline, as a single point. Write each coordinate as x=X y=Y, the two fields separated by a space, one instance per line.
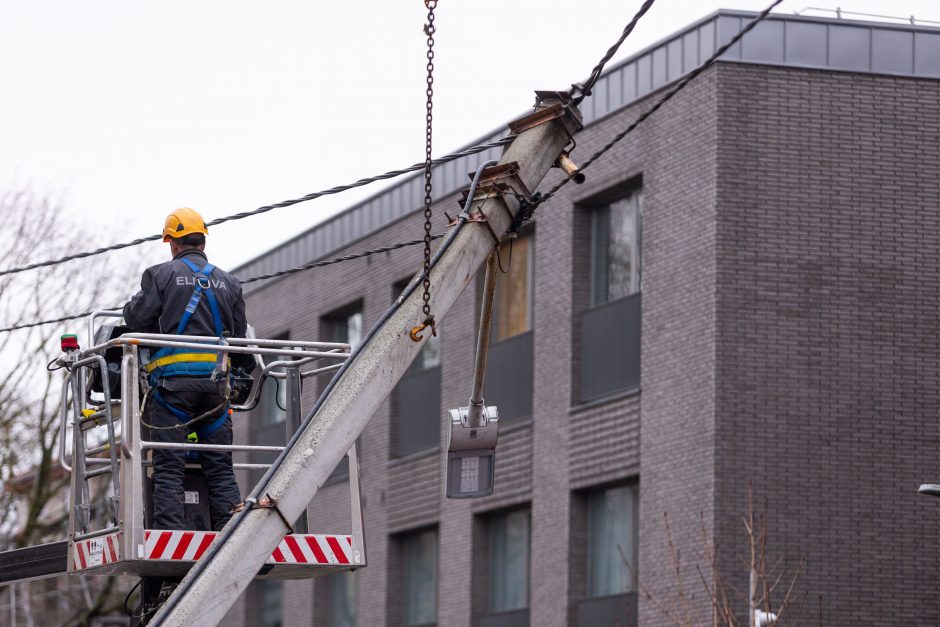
x=168 y=465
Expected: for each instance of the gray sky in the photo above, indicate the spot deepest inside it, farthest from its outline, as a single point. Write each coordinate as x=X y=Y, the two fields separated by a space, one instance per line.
x=126 y=110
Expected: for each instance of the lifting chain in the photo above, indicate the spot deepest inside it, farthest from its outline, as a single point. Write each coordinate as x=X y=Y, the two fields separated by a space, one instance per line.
x=429 y=321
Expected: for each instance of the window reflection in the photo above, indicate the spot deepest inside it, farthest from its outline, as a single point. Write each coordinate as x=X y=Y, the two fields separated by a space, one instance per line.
x=512 y=308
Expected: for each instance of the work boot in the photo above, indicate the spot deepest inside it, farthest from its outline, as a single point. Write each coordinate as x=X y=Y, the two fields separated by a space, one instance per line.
x=165 y=591
x=147 y=606
x=146 y=613
x=149 y=610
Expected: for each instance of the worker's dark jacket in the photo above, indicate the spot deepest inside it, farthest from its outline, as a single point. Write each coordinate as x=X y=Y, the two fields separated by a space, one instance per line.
x=165 y=290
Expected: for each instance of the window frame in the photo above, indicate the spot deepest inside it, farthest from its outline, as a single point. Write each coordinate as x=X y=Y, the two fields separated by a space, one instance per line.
x=493 y=553
x=419 y=364
x=404 y=542
x=262 y=593
x=325 y=593
x=592 y=606
x=329 y=322
x=511 y=361
x=507 y=260
x=602 y=211
x=590 y=498
x=427 y=379
x=267 y=399
x=606 y=333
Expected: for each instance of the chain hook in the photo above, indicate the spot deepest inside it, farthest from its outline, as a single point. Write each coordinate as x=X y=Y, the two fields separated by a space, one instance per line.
x=416 y=332
x=429 y=31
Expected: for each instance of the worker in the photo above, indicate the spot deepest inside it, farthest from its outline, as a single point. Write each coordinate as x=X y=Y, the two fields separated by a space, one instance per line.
x=189 y=389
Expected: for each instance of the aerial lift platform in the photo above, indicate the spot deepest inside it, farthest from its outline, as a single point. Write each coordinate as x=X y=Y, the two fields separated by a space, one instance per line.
x=103 y=440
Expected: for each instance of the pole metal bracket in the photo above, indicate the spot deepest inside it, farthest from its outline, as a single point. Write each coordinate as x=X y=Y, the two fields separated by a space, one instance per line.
x=542 y=115
x=269 y=502
x=550 y=105
x=480 y=218
x=495 y=182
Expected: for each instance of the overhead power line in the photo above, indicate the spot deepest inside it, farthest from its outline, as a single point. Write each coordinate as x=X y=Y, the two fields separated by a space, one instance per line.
x=330 y=262
x=585 y=88
x=308 y=266
x=285 y=203
x=666 y=97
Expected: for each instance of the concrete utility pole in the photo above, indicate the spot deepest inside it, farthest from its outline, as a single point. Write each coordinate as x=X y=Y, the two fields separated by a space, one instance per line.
x=212 y=587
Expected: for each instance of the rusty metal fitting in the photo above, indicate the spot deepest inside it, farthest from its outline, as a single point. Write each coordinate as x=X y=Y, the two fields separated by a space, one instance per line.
x=270 y=502
x=565 y=163
x=416 y=332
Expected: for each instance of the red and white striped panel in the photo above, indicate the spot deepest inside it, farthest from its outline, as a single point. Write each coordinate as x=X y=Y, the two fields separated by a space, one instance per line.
x=185 y=546
x=293 y=549
x=96 y=552
x=313 y=549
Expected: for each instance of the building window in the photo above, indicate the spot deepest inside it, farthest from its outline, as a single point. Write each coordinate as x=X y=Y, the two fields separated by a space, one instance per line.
x=508 y=562
x=268 y=423
x=509 y=368
x=615 y=249
x=604 y=556
x=419 y=578
x=416 y=420
x=343 y=325
x=274 y=395
x=339 y=597
x=430 y=355
x=612 y=523
x=273 y=400
x=269 y=603
x=513 y=303
x=610 y=329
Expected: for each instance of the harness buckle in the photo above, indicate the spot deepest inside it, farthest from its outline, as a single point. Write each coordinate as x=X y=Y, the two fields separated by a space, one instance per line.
x=203 y=282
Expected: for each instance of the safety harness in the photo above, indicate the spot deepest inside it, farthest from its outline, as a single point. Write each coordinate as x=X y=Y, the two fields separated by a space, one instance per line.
x=188 y=362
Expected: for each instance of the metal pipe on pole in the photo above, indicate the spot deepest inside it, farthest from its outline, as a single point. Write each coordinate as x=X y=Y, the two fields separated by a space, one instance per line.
x=213 y=585
x=477 y=402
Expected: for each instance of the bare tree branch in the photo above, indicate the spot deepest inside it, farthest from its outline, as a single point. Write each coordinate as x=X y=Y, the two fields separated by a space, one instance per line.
x=32 y=484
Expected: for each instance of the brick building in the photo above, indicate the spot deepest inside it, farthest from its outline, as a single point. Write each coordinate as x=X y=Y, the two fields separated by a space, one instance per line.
x=774 y=231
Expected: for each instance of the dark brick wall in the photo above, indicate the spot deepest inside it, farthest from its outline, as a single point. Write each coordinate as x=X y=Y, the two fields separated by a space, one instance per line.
x=414 y=491
x=827 y=349
x=605 y=441
x=790 y=248
x=678 y=345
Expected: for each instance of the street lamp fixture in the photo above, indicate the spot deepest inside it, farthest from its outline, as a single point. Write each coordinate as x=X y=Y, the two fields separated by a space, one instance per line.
x=931 y=489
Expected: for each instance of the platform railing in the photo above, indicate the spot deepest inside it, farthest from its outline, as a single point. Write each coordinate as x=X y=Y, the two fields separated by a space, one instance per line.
x=126 y=450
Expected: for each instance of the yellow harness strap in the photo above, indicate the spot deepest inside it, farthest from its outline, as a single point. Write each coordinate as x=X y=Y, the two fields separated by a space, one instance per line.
x=178 y=358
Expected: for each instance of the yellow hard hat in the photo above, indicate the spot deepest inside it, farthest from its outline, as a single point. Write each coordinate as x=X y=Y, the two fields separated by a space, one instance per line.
x=182 y=222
